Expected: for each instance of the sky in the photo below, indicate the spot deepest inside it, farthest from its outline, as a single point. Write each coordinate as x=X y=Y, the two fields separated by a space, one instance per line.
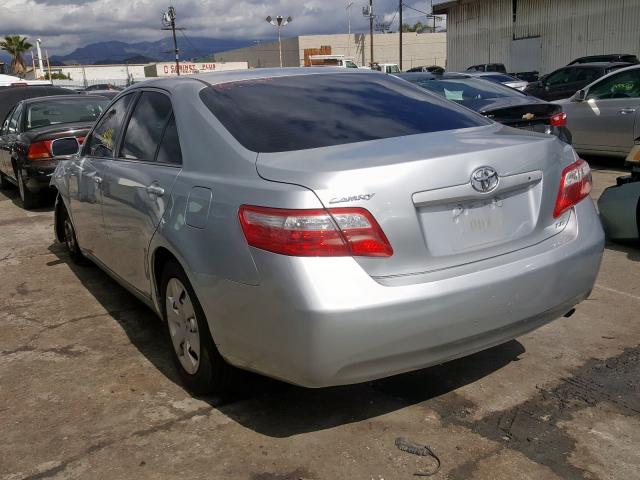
x=64 y=25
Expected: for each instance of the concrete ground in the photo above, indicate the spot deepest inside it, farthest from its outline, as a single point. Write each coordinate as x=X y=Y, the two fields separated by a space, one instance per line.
x=88 y=390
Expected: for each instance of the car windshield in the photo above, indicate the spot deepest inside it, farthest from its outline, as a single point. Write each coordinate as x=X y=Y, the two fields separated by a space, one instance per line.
x=500 y=78
x=465 y=90
x=64 y=110
x=393 y=69
x=310 y=111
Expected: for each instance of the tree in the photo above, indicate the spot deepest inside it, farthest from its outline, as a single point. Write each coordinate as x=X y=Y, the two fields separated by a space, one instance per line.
x=16 y=45
x=57 y=76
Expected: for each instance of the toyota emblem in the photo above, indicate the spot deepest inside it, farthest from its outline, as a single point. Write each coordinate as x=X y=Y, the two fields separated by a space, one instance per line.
x=484 y=179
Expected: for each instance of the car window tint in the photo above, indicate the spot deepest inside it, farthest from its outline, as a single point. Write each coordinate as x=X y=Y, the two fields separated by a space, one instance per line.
x=311 y=111
x=103 y=140
x=5 y=124
x=63 y=110
x=468 y=91
x=621 y=85
x=586 y=75
x=559 y=76
x=169 y=151
x=145 y=128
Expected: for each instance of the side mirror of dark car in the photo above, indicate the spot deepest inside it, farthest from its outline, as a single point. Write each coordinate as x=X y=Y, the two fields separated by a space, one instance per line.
x=65 y=147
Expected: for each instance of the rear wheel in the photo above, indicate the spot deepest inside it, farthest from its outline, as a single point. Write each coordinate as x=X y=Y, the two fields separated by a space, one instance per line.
x=29 y=199
x=200 y=365
x=5 y=184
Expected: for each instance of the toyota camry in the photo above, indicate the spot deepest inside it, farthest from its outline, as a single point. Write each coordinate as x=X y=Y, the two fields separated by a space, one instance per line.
x=326 y=226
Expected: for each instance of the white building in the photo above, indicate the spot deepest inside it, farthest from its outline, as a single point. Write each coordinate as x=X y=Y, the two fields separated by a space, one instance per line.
x=418 y=49
x=540 y=35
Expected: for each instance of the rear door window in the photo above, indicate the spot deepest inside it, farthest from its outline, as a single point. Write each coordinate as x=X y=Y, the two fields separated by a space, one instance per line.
x=311 y=111
x=146 y=127
x=102 y=141
x=621 y=85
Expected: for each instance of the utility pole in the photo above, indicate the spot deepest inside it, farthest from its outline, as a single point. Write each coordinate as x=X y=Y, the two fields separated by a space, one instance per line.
x=169 y=21
x=40 y=64
x=371 y=28
x=349 y=5
x=400 y=20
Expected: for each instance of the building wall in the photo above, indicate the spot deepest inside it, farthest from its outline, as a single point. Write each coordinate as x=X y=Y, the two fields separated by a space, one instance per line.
x=94 y=73
x=264 y=54
x=483 y=31
x=418 y=49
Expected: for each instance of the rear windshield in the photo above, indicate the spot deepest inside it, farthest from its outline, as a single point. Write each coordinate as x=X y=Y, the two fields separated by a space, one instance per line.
x=310 y=111
x=466 y=89
x=64 y=110
x=500 y=78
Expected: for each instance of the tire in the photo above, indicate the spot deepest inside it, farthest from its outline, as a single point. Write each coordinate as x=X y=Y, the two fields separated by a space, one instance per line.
x=71 y=241
x=29 y=199
x=200 y=366
x=5 y=184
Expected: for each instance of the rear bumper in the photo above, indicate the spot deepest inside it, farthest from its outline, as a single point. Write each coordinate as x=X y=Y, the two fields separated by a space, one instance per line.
x=37 y=176
x=323 y=321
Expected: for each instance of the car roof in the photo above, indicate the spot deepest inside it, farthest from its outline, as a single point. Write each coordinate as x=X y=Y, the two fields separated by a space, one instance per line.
x=217 y=78
x=598 y=64
x=431 y=76
x=486 y=74
x=61 y=97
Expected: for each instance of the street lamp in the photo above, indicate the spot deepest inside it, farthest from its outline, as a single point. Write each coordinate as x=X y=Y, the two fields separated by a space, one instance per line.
x=279 y=22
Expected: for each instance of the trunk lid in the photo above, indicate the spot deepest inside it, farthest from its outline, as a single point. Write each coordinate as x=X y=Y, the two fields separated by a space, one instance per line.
x=419 y=190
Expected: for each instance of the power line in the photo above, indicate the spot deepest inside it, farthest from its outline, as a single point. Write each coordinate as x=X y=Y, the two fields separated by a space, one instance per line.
x=198 y=51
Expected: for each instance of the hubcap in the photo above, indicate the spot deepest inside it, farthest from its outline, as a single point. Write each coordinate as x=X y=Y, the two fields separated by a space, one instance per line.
x=183 y=325
x=69 y=238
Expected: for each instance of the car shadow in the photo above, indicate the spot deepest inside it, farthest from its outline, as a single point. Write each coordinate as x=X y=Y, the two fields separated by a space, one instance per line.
x=277 y=409
x=47 y=204
x=631 y=248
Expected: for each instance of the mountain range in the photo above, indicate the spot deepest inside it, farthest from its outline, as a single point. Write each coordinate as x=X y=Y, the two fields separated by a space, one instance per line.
x=110 y=52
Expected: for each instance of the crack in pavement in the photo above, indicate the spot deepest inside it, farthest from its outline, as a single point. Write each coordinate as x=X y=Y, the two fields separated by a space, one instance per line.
x=107 y=443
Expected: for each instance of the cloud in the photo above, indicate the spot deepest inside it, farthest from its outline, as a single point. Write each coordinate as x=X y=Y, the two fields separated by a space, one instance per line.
x=64 y=25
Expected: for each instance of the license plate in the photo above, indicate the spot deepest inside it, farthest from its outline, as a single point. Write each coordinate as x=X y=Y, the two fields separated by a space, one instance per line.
x=480 y=222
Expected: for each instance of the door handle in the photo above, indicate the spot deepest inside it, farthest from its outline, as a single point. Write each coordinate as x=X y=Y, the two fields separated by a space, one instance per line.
x=156 y=190
x=627 y=111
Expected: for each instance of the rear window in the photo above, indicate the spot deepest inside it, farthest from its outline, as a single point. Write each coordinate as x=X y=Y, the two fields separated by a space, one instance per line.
x=500 y=78
x=64 y=110
x=466 y=89
x=310 y=111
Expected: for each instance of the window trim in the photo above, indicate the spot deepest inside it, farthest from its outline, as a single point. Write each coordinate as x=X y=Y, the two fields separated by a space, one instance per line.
x=119 y=158
x=6 y=120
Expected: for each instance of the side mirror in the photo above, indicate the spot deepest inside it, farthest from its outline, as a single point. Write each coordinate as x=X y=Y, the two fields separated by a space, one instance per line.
x=580 y=96
x=65 y=147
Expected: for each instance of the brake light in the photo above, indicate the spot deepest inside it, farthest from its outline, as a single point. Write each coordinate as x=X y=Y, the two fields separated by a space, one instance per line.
x=575 y=185
x=39 y=150
x=558 y=120
x=336 y=232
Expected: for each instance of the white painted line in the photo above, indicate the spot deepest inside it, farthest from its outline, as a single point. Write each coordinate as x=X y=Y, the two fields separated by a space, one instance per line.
x=613 y=290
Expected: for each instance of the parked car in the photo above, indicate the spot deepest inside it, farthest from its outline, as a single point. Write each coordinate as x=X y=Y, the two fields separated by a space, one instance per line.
x=502 y=78
x=488 y=67
x=11 y=81
x=103 y=86
x=615 y=57
x=10 y=96
x=493 y=100
x=35 y=132
x=566 y=81
x=605 y=115
x=619 y=205
x=435 y=69
x=110 y=94
x=327 y=227
x=386 y=67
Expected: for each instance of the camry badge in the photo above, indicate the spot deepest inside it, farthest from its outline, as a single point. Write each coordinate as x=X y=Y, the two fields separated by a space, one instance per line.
x=528 y=116
x=352 y=198
x=484 y=179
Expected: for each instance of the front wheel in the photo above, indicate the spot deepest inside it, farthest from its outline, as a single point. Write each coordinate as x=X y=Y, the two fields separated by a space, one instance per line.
x=200 y=365
x=5 y=184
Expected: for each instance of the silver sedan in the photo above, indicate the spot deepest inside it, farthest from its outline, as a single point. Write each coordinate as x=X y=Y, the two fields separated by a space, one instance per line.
x=326 y=226
x=604 y=117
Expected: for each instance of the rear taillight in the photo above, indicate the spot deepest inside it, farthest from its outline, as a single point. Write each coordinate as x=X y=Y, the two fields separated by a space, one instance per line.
x=336 y=232
x=575 y=185
x=558 y=120
x=39 y=150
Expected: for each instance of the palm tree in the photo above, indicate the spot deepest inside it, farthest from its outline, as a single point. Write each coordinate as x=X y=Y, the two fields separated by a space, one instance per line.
x=16 y=45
